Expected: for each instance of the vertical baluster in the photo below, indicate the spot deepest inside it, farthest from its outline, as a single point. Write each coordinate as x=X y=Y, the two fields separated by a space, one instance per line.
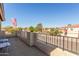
x=71 y=44
x=42 y=37
x=57 y=41
x=67 y=43
x=60 y=41
x=54 y=40
x=76 y=45
x=50 y=39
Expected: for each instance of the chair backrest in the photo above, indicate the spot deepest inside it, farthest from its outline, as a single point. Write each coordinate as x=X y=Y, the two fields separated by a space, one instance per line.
x=3 y=40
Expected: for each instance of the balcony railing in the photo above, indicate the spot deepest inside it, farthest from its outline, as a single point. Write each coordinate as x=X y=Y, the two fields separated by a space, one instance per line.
x=70 y=44
x=66 y=43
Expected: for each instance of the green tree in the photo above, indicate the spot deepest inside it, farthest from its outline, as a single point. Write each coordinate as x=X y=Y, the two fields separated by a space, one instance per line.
x=10 y=29
x=39 y=27
x=19 y=29
x=25 y=28
x=55 y=31
x=31 y=28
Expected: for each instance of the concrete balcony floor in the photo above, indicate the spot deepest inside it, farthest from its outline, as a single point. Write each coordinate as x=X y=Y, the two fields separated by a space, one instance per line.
x=19 y=48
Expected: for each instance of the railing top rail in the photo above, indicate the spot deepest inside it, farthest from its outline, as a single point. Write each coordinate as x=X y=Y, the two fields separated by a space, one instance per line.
x=60 y=36
x=51 y=35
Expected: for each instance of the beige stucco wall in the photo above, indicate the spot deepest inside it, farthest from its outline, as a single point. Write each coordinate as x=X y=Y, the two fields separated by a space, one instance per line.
x=27 y=37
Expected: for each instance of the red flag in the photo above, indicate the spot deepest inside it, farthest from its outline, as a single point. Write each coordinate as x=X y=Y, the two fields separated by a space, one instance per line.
x=14 y=22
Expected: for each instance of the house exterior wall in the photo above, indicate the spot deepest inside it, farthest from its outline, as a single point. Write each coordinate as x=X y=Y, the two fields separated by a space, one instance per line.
x=1 y=12
x=73 y=33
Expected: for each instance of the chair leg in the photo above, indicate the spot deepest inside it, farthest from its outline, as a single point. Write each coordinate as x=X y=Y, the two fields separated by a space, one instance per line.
x=4 y=51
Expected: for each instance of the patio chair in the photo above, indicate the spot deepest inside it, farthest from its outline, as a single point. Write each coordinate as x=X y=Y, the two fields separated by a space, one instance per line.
x=4 y=44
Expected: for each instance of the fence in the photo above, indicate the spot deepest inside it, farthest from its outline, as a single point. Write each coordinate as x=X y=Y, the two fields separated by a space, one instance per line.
x=64 y=42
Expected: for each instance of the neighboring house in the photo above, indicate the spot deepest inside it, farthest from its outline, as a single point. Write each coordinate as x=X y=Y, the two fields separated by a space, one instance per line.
x=72 y=30
x=62 y=30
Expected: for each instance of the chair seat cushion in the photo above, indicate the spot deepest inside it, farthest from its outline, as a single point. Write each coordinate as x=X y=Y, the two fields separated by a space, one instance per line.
x=5 y=44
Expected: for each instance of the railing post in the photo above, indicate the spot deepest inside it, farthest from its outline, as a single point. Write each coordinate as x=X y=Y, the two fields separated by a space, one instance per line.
x=63 y=42
x=46 y=38
x=32 y=39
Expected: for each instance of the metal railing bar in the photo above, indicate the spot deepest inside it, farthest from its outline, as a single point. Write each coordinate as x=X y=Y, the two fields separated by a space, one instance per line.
x=46 y=38
x=76 y=45
x=67 y=43
x=71 y=44
x=57 y=40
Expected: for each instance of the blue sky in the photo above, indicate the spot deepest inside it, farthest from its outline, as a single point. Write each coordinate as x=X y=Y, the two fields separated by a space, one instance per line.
x=50 y=14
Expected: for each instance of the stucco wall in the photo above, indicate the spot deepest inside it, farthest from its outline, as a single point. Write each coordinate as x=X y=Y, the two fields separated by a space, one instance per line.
x=26 y=37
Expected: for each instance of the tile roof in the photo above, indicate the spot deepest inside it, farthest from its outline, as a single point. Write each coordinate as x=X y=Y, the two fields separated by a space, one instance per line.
x=73 y=26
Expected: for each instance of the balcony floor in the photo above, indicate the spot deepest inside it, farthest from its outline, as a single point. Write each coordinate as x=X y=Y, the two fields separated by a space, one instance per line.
x=18 y=48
